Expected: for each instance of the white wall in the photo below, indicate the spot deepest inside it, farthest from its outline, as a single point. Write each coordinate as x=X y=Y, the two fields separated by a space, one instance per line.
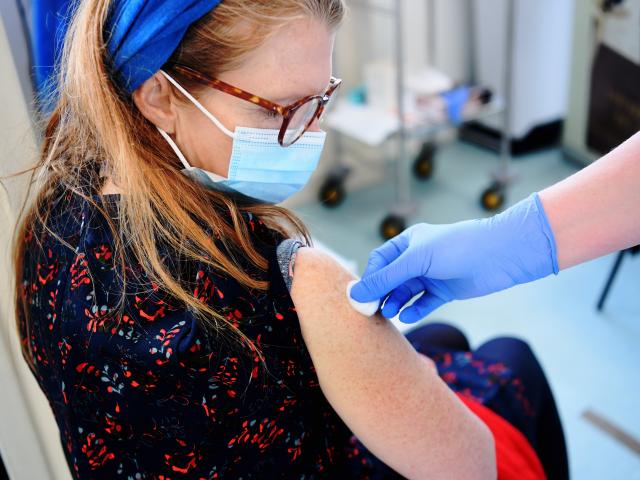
x=369 y=35
x=541 y=57
x=13 y=24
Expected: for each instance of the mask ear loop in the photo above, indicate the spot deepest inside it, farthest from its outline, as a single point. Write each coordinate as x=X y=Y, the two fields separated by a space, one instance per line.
x=208 y=114
x=175 y=148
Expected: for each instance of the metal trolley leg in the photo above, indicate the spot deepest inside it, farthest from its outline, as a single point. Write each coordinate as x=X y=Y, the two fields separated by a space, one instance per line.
x=395 y=222
x=614 y=272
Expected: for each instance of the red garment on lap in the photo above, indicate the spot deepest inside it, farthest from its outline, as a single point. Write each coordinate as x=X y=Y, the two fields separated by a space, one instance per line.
x=515 y=457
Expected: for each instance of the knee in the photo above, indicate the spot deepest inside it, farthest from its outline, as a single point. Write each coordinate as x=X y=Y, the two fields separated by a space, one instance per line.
x=515 y=352
x=438 y=335
x=509 y=347
x=432 y=328
x=513 y=343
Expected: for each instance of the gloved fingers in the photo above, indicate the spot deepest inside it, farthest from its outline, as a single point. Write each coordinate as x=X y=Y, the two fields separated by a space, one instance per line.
x=384 y=255
x=380 y=258
x=399 y=297
x=378 y=284
x=422 y=307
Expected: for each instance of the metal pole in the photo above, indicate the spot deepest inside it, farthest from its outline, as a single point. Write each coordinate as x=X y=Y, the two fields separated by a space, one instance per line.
x=505 y=147
x=612 y=276
x=402 y=170
x=431 y=27
x=338 y=143
x=471 y=41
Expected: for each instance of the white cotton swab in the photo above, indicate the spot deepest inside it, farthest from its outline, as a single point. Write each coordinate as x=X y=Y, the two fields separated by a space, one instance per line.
x=367 y=309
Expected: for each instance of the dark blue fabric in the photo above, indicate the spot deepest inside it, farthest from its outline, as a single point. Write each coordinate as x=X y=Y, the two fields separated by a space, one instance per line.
x=49 y=20
x=141 y=35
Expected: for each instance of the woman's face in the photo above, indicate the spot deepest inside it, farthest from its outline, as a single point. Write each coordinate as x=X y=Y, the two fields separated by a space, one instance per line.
x=294 y=63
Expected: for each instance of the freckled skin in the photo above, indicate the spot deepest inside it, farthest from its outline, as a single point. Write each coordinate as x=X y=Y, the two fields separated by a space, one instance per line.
x=389 y=396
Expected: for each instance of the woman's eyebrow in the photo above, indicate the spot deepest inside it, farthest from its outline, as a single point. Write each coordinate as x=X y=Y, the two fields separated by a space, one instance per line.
x=289 y=99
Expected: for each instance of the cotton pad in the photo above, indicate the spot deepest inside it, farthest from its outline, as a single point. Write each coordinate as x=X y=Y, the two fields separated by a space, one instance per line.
x=367 y=309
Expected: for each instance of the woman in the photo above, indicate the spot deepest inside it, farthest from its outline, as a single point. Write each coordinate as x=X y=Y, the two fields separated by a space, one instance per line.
x=168 y=308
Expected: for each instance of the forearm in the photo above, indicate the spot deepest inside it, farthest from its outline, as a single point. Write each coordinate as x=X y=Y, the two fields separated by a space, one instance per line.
x=597 y=210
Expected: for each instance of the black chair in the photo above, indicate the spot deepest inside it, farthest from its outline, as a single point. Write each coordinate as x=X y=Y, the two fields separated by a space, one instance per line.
x=614 y=272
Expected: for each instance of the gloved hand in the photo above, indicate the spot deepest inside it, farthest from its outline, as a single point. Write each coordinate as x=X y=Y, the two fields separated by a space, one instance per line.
x=458 y=261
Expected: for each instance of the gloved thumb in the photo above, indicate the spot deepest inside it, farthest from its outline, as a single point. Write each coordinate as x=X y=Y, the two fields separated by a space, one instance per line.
x=386 y=253
x=367 y=290
x=378 y=284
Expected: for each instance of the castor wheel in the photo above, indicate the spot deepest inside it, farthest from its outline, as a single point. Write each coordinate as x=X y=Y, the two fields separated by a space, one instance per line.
x=424 y=162
x=332 y=192
x=391 y=226
x=492 y=198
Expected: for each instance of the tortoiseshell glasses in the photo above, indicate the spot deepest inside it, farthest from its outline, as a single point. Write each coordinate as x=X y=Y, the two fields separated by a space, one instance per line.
x=296 y=118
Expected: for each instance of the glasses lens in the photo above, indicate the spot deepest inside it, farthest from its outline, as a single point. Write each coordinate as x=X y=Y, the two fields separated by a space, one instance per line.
x=300 y=121
x=327 y=107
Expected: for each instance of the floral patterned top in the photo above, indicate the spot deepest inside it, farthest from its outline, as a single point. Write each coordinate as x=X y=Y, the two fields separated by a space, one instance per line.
x=152 y=394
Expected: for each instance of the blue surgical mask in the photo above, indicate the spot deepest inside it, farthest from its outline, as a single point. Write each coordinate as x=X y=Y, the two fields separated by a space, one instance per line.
x=259 y=167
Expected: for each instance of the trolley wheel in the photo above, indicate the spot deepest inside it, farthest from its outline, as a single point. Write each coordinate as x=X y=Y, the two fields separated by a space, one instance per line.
x=391 y=226
x=493 y=197
x=332 y=192
x=424 y=162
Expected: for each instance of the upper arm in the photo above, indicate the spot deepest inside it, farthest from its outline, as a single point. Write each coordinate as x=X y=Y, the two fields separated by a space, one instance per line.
x=379 y=385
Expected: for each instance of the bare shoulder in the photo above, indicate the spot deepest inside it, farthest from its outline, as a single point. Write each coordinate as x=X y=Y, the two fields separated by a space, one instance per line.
x=311 y=259
x=333 y=331
x=319 y=292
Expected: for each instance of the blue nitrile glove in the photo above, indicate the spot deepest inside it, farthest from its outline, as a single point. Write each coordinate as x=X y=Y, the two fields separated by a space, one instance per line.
x=458 y=261
x=456 y=100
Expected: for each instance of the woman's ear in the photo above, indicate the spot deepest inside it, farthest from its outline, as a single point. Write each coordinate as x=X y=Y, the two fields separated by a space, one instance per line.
x=154 y=100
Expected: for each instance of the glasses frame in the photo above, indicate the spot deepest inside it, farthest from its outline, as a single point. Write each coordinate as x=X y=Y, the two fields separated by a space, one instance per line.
x=287 y=111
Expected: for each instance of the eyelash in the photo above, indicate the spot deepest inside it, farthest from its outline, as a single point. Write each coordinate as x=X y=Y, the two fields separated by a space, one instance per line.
x=270 y=114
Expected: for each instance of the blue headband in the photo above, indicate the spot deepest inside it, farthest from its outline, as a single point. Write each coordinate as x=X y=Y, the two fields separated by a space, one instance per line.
x=142 y=35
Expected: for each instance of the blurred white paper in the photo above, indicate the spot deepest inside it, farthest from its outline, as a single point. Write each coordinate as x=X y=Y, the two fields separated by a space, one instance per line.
x=429 y=81
x=368 y=125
